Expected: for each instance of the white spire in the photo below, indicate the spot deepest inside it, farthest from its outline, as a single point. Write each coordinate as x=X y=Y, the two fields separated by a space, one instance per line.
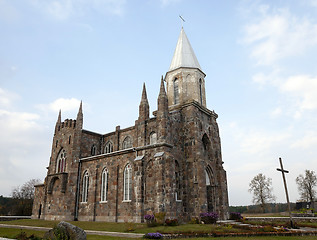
x=184 y=55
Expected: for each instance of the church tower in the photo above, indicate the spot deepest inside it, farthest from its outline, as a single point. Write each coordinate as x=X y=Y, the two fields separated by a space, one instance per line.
x=185 y=81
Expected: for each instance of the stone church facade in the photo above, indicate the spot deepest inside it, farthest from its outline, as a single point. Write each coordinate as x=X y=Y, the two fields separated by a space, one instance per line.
x=167 y=163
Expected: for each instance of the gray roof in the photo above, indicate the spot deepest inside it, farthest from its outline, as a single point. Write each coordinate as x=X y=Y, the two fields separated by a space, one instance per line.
x=184 y=55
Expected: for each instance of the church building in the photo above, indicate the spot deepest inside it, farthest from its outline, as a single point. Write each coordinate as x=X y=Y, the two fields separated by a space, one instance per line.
x=169 y=163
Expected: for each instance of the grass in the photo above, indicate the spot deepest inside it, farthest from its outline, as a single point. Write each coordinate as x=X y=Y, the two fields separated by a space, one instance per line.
x=13 y=232
x=142 y=228
x=259 y=238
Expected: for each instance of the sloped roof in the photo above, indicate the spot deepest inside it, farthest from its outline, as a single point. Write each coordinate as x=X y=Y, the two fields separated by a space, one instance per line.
x=184 y=55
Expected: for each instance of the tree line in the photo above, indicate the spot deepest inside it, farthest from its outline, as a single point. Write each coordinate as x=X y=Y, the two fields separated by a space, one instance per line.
x=21 y=201
x=262 y=190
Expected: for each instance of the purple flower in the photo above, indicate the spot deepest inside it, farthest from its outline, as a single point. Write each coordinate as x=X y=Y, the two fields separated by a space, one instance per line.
x=209 y=217
x=149 y=217
x=156 y=235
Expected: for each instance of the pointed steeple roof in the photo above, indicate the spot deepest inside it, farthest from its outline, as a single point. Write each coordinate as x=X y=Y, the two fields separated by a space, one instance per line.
x=184 y=55
x=144 y=95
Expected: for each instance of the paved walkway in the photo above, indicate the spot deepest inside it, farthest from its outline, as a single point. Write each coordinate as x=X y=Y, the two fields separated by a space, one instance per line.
x=90 y=232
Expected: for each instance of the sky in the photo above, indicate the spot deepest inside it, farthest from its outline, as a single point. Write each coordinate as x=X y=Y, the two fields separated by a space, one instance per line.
x=259 y=58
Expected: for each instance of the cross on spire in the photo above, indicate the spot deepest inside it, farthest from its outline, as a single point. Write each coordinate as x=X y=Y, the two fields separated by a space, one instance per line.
x=182 y=20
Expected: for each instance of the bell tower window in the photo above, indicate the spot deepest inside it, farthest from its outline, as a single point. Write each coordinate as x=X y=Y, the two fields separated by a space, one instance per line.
x=176 y=91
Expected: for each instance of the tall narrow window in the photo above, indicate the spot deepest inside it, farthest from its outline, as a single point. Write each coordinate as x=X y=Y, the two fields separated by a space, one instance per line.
x=104 y=185
x=127 y=143
x=177 y=181
x=61 y=162
x=84 y=197
x=176 y=93
x=127 y=182
x=108 y=147
x=153 y=138
x=93 y=150
x=209 y=176
x=200 y=92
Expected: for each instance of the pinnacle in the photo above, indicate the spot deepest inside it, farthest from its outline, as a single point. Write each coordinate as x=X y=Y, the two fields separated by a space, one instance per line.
x=162 y=88
x=59 y=119
x=144 y=95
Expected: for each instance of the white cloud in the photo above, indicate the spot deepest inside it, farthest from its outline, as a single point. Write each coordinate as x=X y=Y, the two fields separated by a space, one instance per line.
x=6 y=98
x=313 y=3
x=16 y=122
x=277 y=34
x=260 y=142
x=64 y=9
x=309 y=140
x=64 y=104
x=304 y=87
x=276 y=112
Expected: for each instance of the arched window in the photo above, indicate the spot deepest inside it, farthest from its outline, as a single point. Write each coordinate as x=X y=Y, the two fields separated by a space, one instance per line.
x=93 y=150
x=127 y=143
x=127 y=183
x=108 y=147
x=104 y=185
x=61 y=162
x=153 y=138
x=200 y=92
x=177 y=181
x=209 y=176
x=206 y=142
x=84 y=197
x=176 y=92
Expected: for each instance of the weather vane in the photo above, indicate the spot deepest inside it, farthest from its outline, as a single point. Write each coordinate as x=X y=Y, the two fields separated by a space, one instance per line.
x=182 y=19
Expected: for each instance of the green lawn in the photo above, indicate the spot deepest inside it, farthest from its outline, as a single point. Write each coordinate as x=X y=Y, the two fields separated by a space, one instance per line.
x=140 y=228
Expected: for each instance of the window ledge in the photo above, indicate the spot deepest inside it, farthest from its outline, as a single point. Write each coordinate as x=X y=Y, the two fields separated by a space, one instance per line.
x=103 y=201
x=126 y=201
x=178 y=200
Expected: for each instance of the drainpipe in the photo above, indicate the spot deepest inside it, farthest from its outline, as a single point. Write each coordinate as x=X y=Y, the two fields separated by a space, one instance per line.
x=77 y=191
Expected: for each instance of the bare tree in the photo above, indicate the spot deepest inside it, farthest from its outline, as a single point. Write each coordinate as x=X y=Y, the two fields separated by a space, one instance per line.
x=306 y=185
x=262 y=190
x=24 y=196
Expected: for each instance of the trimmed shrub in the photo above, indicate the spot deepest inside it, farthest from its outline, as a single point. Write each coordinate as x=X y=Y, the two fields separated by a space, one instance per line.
x=209 y=217
x=194 y=220
x=150 y=220
x=171 y=222
x=160 y=218
x=235 y=216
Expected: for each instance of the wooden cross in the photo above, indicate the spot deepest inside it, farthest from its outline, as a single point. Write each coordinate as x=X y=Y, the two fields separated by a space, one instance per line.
x=285 y=186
